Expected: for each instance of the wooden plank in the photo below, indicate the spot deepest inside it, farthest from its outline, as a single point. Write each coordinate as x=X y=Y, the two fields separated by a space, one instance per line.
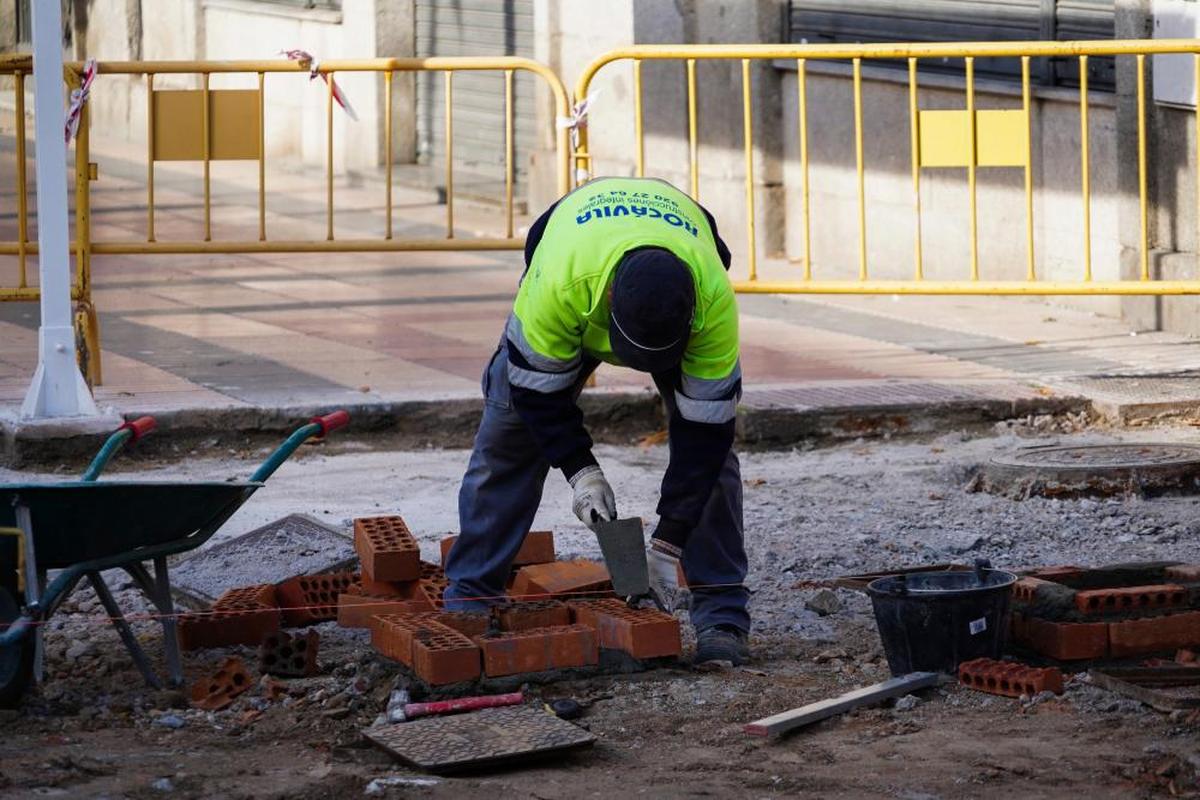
x=1154 y=698
x=867 y=696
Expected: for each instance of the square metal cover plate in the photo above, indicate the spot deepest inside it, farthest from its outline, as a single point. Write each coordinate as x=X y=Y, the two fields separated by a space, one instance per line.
x=481 y=738
x=293 y=545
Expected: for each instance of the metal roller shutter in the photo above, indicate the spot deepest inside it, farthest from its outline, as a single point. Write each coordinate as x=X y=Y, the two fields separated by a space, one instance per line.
x=818 y=21
x=475 y=28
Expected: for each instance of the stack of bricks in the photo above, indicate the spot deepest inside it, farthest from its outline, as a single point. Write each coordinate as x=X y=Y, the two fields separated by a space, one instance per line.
x=1076 y=614
x=520 y=638
x=436 y=652
x=394 y=579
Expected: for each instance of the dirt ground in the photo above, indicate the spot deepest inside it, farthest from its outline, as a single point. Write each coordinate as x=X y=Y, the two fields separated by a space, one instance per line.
x=93 y=730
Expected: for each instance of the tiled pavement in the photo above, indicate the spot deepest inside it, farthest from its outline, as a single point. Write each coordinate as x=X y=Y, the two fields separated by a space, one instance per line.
x=266 y=330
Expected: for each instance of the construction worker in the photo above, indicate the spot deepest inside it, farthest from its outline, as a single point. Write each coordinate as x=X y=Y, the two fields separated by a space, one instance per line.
x=630 y=271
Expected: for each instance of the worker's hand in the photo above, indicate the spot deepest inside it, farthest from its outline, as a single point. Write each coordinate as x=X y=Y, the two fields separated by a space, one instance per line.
x=594 y=499
x=664 y=580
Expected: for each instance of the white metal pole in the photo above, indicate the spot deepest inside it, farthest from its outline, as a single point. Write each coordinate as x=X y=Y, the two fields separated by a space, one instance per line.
x=58 y=388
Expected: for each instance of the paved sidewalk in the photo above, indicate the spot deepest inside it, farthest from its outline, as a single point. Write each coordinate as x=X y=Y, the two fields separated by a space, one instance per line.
x=183 y=333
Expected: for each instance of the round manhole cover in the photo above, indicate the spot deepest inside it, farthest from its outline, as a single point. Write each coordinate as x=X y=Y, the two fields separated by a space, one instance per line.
x=1094 y=470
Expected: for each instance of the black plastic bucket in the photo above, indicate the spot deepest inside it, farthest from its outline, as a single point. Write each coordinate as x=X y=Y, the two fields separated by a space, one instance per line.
x=932 y=622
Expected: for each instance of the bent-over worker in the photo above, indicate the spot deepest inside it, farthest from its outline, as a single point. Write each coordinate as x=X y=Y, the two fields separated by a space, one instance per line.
x=630 y=271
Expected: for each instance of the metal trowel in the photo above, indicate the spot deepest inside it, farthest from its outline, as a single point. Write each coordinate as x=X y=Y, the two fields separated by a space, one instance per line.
x=624 y=553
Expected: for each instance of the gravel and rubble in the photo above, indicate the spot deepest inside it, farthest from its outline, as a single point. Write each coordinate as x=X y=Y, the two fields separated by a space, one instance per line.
x=811 y=515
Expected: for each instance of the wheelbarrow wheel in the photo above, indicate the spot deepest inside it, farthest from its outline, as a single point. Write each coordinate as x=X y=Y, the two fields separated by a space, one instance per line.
x=16 y=660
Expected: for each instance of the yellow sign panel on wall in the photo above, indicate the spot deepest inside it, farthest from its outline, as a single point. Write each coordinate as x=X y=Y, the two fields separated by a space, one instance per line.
x=1001 y=138
x=232 y=125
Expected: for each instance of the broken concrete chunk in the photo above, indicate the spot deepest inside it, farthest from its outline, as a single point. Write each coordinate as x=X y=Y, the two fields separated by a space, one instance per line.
x=824 y=602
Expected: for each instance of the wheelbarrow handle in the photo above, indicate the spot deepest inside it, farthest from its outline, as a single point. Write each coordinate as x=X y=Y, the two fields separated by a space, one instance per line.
x=331 y=422
x=130 y=431
x=318 y=427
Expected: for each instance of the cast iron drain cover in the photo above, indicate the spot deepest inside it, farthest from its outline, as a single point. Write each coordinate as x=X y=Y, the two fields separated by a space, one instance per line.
x=1094 y=470
x=479 y=739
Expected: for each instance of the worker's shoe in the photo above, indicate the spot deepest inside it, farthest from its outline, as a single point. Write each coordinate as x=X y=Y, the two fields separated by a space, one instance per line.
x=722 y=643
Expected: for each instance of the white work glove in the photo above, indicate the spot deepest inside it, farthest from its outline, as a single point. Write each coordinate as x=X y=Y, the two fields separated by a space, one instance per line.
x=594 y=499
x=664 y=581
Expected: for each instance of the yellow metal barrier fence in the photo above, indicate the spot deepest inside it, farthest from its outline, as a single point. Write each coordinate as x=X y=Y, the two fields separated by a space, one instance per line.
x=967 y=138
x=207 y=125
x=223 y=117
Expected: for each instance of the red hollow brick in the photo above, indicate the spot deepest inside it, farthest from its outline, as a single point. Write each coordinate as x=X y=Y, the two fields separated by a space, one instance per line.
x=1025 y=589
x=262 y=595
x=1154 y=634
x=561 y=578
x=1061 y=574
x=1009 y=679
x=310 y=599
x=1131 y=598
x=537 y=548
x=430 y=587
x=289 y=656
x=1065 y=641
x=441 y=655
x=640 y=632
x=218 y=690
x=466 y=623
x=226 y=627
x=392 y=635
x=387 y=549
x=379 y=588
x=538 y=650
x=534 y=614
x=356 y=610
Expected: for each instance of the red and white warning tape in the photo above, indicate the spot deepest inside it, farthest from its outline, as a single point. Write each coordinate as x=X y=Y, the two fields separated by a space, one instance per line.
x=304 y=57
x=78 y=98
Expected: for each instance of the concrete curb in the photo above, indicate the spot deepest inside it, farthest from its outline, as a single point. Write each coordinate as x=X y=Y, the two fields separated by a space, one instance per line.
x=614 y=417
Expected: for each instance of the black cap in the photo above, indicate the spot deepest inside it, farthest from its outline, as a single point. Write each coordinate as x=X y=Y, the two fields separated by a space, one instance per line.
x=653 y=302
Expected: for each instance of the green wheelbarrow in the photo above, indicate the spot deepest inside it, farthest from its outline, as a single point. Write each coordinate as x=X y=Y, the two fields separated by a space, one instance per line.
x=82 y=528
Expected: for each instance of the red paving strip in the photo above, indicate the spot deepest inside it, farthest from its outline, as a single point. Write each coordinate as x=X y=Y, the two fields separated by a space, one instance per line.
x=386 y=549
x=1131 y=598
x=1009 y=679
x=640 y=632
